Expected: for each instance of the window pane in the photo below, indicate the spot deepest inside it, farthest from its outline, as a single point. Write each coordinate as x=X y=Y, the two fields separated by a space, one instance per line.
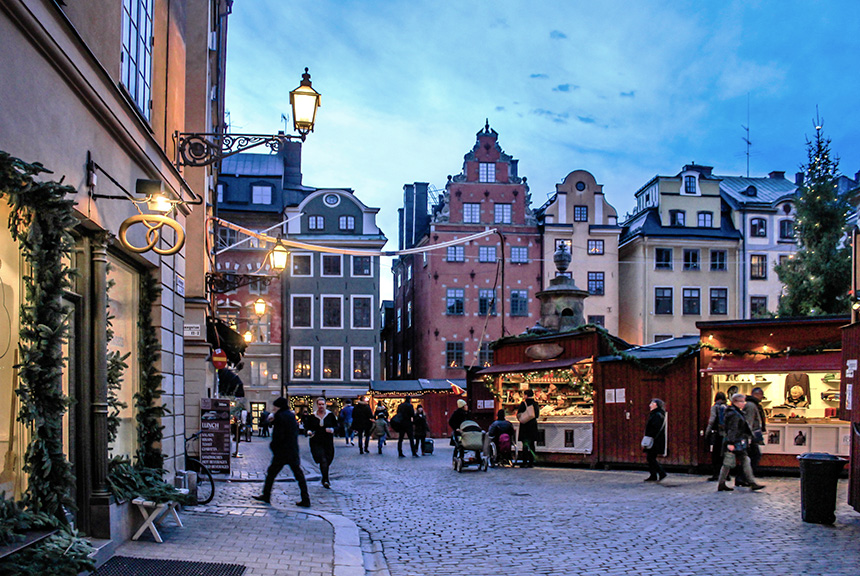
x=718 y=260
x=519 y=254
x=691 y=301
x=519 y=303
x=580 y=213
x=719 y=301
x=487 y=254
x=361 y=266
x=691 y=259
x=596 y=283
x=331 y=364
x=758 y=266
x=331 y=264
x=662 y=300
x=361 y=312
x=332 y=316
x=302 y=311
x=471 y=213
x=302 y=364
x=361 y=364
x=595 y=247
x=454 y=354
x=301 y=264
x=455 y=304
x=502 y=213
x=664 y=259
x=486 y=302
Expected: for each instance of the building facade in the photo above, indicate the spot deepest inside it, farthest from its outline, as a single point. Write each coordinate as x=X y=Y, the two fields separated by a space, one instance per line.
x=579 y=216
x=451 y=303
x=678 y=258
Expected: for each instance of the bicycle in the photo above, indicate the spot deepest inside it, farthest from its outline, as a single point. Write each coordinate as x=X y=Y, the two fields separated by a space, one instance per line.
x=205 y=482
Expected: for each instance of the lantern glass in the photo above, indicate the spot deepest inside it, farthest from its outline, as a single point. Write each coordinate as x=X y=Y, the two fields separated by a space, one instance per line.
x=305 y=101
x=278 y=257
x=248 y=337
x=159 y=203
x=260 y=307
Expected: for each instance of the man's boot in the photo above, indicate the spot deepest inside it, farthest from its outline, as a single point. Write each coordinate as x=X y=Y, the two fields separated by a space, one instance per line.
x=721 y=487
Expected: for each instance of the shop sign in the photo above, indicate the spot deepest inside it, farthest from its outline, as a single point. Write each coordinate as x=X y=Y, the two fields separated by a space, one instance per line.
x=215 y=434
x=544 y=351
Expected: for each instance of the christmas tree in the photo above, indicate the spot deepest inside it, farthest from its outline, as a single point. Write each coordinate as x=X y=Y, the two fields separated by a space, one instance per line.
x=817 y=278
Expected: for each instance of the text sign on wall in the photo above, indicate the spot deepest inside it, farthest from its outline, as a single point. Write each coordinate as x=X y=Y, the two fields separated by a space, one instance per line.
x=215 y=434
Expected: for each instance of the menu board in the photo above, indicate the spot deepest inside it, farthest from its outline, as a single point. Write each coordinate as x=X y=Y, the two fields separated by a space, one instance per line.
x=215 y=434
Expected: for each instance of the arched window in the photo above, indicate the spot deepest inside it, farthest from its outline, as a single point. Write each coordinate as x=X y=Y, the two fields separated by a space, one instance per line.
x=758 y=227
x=786 y=229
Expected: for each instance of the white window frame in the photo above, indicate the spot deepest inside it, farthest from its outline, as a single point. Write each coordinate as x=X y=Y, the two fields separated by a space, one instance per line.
x=506 y=213
x=292 y=266
x=486 y=171
x=261 y=194
x=352 y=267
x=293 y=364
x=519 y=249
x=352 y=352
x=352 y=300
x=323 y=298
x=293 y=298
x=136 y=68
x=471 y=212
x=459 y=252
x=312 y=222
x=346 y=223
x=711 y=300
x=323 y=350
x=699 y=298
x=322 y=265
x=654 y=300
x=487 y=254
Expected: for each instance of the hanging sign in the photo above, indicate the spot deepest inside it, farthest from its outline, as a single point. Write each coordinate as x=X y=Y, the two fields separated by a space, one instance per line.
x=215 y=434
x=219 y=358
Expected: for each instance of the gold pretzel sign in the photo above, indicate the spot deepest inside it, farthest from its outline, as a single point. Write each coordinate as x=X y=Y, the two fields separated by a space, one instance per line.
x=154 y=223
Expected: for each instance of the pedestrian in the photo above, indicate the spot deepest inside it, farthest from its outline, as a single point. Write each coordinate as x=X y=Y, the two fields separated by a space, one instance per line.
x=285 y=452
x=739 y=436
x=406 y=427
x=655 y=429
x=264 y=424
x=421 y=428
x=755 y=417
x=381 y=408
x=249 y=425
x=320 y=426
x=528 y=413
x=459 y=416
x=362 y=422
x=346 y=414
x=715 y=434
x=379 y=432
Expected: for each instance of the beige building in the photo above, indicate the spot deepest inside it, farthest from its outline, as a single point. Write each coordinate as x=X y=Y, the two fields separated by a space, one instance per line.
x=678 y=258
x=579 y=216
x=95 y=91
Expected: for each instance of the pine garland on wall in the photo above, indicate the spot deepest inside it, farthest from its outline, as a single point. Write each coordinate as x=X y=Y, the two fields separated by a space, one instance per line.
x=116 y=367
x=147 y=400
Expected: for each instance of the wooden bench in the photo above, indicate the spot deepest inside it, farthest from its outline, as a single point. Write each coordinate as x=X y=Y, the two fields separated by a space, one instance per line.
x=155 y=513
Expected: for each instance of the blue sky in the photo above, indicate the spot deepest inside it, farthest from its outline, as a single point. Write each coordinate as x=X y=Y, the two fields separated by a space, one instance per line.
x=625 y=90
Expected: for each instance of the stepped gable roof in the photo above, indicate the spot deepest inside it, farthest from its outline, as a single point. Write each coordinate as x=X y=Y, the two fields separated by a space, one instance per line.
x=739 y=190
x=246 y=164
x=647 y=223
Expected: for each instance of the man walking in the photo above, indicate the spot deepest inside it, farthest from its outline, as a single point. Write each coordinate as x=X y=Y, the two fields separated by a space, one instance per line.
x=754 y=415
x=362 y=419
x=285 y=452
x=738 y=439
x=346 y=413
x=405 y=426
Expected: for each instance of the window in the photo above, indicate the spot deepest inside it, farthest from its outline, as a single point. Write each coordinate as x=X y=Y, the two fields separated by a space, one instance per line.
x=566 y=243
x=519 y=303
x=261 y=195
x=471 y=213
x=758 y=306
x=454 y=354
x=692 y=301
x=595 y=247
x=331 y=265
x=719 y=301
x=786 y=229
x=220 y=191
x=302 y=360
x=346 y=223
x=136 y=57
x=302 y=265
x=706 y=219
x=302 y=312
x=580 y=213
x=486 y=302
x=758 y=266
x=259 y=373
x=316 y=223
x=719 y=261
x=408 y=314
x=361 y=266
x=399 y=358
x=664 y=259
x=502 y=213
x=597 y=320
x=519 y=254
x=456 y=254
x=362 y=312
x=362 y=363
x=399 y=319
x=691 y=259
x=258 y=287
x=487 y=254
x=677 y=218
x=662 y=300
x=227 y=237
x=485 y=355
x=595 y=283
x=689 y=184
x=332 y=363
x=408 y=362
x=758 y=228
x=662 y=337
x=332 y=311
x=486 y=172
x=455 y=302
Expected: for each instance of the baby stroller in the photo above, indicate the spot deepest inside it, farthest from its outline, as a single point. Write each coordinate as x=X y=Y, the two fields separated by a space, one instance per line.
x=470 y=447
x=503 y=451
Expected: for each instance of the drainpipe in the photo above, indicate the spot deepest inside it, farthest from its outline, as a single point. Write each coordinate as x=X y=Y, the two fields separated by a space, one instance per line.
x=742 y=265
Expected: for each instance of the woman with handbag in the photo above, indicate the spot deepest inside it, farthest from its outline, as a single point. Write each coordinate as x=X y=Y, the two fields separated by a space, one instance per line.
x=654 y=441
x=528 y=413
x=739 y=436
x=321 y=425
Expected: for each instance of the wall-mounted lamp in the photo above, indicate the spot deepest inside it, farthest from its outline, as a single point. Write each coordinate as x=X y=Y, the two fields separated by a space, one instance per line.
x=260 y=307
x=278 y=256
x=248 y=337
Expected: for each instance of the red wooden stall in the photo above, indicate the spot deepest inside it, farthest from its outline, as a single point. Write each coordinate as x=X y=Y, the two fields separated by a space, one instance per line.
x=850 y=405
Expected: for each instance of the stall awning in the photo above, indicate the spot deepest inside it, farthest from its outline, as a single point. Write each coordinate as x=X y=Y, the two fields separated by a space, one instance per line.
x=327 y=390
x=532 y=366
x=826 y=362
x=415 y=386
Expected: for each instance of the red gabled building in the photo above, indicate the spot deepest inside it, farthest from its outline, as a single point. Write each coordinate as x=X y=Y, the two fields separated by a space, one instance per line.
x=451 y=303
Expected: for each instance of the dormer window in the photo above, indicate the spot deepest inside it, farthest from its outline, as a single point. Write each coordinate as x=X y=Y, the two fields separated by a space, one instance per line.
x=486 y=172
x=677 y=218
x=690 y=185
x=261 y=194
x=751 y=191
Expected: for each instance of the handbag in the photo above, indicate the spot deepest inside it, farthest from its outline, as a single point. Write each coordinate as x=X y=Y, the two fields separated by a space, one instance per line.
x=527 y=415
x=397 y=423
x=758 y=435
x=741 y=446
x=647 y=442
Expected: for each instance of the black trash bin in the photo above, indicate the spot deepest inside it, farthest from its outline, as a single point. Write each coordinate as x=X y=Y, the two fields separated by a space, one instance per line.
x=819 y=476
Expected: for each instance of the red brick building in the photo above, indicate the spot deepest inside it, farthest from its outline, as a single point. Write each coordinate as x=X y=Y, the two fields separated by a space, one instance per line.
x=451 y=303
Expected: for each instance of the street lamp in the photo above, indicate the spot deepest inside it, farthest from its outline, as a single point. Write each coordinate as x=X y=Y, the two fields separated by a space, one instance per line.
x=278 y=257
x=260 y=307
x=305 y=101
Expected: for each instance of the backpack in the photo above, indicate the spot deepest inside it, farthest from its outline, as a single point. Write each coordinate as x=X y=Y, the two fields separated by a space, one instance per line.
x=721 y=419
x=504 y=443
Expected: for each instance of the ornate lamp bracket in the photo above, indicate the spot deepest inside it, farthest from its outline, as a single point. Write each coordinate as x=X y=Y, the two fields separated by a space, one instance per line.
x=203 y=149
x=223 y=282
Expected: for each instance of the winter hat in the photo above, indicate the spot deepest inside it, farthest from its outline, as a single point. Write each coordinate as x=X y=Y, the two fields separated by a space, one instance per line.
x=281 y=403
x=461 y=403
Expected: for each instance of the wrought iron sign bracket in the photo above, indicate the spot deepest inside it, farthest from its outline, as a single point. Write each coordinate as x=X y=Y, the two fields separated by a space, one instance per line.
x=203 y=149
x=223 y=282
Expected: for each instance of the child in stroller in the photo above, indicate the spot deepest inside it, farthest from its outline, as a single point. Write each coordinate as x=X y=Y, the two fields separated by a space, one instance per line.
x=470 y=446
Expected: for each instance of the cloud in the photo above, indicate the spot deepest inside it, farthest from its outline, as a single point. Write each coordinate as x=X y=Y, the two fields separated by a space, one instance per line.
x=538 y=76
x=558 y=118
x=631 y=94
x=565 y=88
x=586 y=119
x=557 y=35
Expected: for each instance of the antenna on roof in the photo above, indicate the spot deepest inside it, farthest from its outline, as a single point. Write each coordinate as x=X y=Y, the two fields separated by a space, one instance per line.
x=747 y=137
x=284 y=118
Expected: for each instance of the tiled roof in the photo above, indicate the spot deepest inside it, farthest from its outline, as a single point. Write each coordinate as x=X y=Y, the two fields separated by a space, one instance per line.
x=253 y=165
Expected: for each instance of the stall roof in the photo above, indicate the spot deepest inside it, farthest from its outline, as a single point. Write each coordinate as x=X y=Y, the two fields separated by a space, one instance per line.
x=420 y=385
x=327 y=390
x=825 y=362
x=531 y=366
x=663 y=350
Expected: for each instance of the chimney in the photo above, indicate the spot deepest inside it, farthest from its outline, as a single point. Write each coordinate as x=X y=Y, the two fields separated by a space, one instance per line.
x=777 y=174
x=292 y=155
x=798 y=178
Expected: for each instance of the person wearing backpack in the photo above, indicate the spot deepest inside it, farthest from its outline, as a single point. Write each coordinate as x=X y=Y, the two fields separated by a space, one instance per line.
x=715 y=434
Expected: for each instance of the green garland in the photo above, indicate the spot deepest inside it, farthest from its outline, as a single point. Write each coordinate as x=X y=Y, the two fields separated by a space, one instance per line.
x=149 y=409
x=65 y=553
x=41 y=221
x=117 y=365
x=128 y=482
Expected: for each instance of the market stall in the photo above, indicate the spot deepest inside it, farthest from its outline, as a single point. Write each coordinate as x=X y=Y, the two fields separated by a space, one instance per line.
x=437 y=396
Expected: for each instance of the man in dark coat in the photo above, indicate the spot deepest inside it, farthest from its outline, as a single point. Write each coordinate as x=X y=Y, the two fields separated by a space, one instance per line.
x=285 y=452
x=739 y=436
x=362 y=418
x=528 y=428
x=755 y=417
x=404 y=418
